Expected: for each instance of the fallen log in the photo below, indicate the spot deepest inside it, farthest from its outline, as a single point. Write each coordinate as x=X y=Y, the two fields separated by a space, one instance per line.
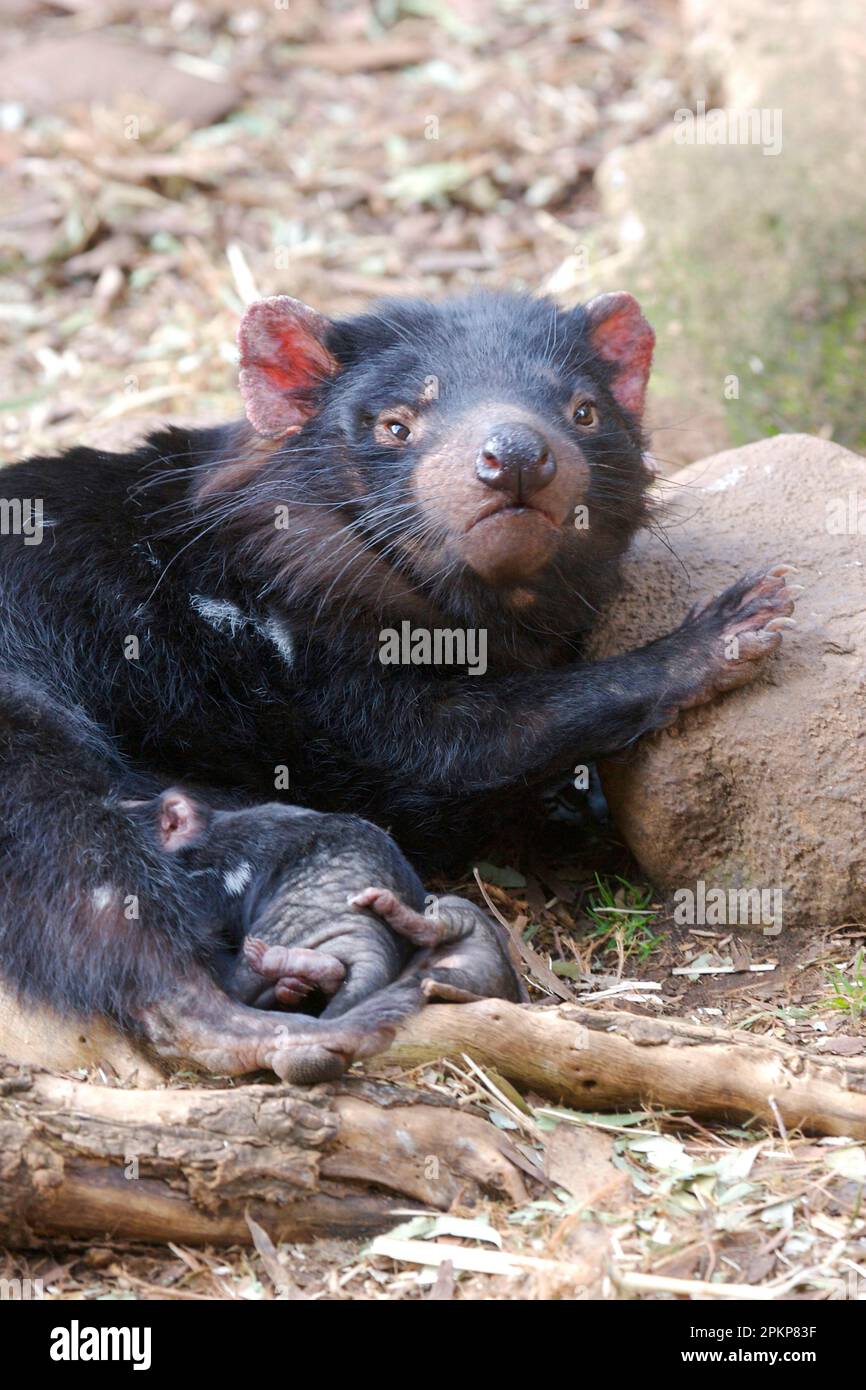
x=140 y=1161
x=79 y=1160
x=35 y=1035
x=596 y=1059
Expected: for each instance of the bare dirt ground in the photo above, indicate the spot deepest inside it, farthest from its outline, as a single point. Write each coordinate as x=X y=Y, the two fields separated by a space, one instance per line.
x=340 y=152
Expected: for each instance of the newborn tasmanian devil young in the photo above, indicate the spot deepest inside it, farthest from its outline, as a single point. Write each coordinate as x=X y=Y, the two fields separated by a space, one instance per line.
x=295 y=609
x=291 y=926
x=197 y=917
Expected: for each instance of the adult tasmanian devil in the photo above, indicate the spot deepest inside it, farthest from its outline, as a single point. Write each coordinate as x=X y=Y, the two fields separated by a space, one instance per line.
x=216 y=606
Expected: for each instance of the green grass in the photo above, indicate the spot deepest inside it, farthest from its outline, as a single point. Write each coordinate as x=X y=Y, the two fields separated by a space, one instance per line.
x=621 y=914
x=849 y=991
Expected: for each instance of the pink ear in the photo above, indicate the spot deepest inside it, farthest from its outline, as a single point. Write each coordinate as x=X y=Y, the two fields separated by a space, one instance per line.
x=180 y=820
x=621 y=335
x=282 y=358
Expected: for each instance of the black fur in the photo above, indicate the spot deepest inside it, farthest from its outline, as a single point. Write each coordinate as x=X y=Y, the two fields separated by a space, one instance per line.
x=152 y=545
x=130 y=539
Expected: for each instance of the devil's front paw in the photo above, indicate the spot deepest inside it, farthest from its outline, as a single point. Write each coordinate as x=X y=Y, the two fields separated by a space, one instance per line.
x=728 y=636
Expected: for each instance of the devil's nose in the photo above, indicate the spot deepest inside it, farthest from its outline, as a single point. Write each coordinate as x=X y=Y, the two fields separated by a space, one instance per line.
x=515 y=459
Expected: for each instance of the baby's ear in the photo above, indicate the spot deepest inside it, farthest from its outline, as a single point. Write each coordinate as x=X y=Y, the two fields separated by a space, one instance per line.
x=621 y=335
x=181 y=820
x=283 y=360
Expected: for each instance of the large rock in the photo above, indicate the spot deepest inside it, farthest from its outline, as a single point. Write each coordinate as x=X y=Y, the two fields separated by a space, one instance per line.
x=766 y=788
x=752 y=266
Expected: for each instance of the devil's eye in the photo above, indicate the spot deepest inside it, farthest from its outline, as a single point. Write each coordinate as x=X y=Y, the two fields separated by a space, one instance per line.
x=399 y=430
x=395 y=424
x=584 y=414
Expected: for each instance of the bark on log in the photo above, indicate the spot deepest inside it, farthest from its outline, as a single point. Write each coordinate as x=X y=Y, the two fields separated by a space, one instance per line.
x=91 y=1161
x=304 y=1162
x=596 y=1059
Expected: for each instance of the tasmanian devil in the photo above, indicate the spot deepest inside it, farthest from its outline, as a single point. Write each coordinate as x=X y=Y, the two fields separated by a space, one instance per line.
x=187 y=919
x=310 y=908
x=368 y=597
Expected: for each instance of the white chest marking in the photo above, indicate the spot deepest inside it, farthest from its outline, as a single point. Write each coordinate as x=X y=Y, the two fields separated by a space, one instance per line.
x=235 y=880
x=281 y=636
x=219 y=613
x=227 y=618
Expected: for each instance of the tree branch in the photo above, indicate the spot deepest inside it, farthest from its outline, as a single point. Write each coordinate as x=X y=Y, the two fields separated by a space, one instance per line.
x=597 y=1059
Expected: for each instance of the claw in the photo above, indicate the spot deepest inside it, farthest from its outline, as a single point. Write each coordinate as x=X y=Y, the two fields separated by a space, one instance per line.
x=751 y=615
